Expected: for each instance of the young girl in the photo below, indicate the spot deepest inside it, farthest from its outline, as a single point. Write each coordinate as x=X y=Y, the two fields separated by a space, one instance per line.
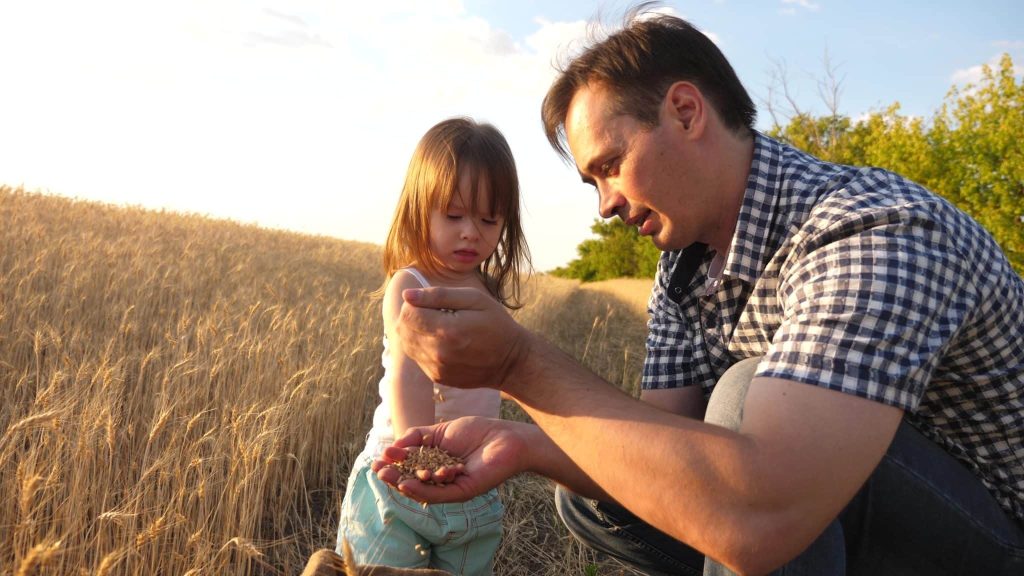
x=456 y=224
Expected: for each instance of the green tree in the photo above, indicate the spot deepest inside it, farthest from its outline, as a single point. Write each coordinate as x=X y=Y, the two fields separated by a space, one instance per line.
x=824 y=137
x=976 y=136
x=890 y=140
x=618 y=251
x=968 y=153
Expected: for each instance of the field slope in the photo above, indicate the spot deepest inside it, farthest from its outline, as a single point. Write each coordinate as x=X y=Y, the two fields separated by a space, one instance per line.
x=184 y=395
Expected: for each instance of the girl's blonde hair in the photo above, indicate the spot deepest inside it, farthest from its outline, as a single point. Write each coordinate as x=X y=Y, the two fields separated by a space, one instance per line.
x=432 y=180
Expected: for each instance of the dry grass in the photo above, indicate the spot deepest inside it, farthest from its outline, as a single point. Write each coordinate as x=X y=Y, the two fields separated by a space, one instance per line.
x=184 y=396
x=633 y=292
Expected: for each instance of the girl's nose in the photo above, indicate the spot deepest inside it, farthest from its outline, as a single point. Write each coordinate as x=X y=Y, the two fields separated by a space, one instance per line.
x=468 y=231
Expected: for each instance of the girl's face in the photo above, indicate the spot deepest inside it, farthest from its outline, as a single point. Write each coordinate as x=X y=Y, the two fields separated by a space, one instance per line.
x=461 y=239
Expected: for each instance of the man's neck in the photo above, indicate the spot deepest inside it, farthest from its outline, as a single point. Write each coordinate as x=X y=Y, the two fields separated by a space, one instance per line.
x=738 y=155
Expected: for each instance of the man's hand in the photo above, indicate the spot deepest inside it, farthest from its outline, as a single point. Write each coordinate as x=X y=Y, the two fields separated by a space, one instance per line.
x=461 y=337
x=492 y=450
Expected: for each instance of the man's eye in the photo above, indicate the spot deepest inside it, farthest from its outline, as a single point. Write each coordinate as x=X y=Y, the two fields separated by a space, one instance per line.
x=608 y=168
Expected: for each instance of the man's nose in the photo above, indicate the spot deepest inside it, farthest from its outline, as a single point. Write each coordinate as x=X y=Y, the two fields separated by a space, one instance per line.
x=609 y=201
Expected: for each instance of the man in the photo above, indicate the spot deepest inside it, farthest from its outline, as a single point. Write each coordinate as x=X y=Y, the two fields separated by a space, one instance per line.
x=859 y=338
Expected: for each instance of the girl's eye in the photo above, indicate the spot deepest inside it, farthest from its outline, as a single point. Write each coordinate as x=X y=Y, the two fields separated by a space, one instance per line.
x=455 y=216
x=490 y=221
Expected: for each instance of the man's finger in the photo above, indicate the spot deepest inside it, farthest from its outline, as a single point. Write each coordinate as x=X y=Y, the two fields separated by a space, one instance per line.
x=434 y=494
x=417 y=436
x=389 y=475
x=392 y=454
x=444 y=298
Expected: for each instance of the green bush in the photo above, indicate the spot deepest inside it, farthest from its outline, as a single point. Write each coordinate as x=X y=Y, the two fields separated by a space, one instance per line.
x=618 y=252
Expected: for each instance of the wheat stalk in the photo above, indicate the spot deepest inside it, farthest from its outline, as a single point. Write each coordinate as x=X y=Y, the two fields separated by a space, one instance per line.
x=172 y=383
x=38 y=557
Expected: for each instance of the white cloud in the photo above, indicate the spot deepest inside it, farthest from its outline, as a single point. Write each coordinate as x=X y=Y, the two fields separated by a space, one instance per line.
x=861 y=118
x=291 y=30
x=291 y=114
x=562 y=40
x=967 y=75
x=661 y=10
x=974 y=74
x=864 y=117
x=804 y=4
x=1009 y=45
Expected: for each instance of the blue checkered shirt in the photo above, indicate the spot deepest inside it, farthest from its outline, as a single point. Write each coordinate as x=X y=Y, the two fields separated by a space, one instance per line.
x=858 y=280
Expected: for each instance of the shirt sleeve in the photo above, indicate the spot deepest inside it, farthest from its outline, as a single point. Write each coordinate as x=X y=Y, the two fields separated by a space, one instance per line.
x=869 y=305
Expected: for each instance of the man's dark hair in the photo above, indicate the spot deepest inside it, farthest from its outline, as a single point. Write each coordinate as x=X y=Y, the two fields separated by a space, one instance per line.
x=638 y=64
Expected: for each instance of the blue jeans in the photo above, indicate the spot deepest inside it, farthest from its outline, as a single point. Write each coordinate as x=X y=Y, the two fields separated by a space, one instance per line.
x=920 y=512
x=384 y=527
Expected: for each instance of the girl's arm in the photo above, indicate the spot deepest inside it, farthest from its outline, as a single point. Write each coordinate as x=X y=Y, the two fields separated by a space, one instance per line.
x=412 y=393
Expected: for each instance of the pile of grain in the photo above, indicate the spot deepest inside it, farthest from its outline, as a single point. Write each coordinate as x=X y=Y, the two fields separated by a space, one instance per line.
x=425 y=462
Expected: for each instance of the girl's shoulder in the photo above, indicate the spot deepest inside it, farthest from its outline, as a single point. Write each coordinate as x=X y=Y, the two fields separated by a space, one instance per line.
x=403 y=279
x=413 y=277
x=412 y=271
x=399 y=282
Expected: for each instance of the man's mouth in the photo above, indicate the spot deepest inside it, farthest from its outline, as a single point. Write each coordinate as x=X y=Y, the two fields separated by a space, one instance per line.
x=641 y=222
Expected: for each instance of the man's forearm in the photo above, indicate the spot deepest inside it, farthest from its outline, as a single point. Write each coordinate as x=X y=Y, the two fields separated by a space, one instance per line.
x=612 y=437
x=548 y=460
x=752 y=499
x=654 y=463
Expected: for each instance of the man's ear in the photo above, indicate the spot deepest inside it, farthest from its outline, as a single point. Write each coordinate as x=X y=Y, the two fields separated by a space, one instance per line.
x=684 y=105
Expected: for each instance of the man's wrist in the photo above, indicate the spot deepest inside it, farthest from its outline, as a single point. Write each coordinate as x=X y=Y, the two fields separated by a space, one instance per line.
x=517 y=364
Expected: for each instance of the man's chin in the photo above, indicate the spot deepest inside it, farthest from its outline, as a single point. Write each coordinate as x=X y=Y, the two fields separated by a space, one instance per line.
x=664 y=244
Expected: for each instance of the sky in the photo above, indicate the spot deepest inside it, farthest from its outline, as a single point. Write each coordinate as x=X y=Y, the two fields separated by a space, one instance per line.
x=302 y=114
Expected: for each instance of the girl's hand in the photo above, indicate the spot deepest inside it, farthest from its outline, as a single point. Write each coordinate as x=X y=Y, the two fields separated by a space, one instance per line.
x=461 y=337
x=492 y=450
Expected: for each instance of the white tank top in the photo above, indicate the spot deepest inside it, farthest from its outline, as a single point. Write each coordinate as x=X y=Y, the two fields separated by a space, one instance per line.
x=449 y=403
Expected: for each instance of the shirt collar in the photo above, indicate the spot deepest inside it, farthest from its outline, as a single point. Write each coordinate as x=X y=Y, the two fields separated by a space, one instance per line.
x=747 y=251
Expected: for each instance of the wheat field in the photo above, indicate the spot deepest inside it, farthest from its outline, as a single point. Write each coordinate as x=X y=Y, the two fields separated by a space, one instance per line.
x=183 y=395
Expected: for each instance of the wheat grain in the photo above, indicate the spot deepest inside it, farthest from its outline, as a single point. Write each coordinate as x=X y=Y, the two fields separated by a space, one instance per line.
x=425 y=463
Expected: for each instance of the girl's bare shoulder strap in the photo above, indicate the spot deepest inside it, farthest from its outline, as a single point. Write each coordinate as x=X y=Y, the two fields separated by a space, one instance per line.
x=418 y=275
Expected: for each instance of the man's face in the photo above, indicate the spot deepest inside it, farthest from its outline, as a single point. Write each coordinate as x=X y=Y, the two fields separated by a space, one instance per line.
x=640 y=174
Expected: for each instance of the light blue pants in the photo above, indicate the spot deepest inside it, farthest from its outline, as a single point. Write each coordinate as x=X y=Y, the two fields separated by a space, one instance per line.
x=385 y=528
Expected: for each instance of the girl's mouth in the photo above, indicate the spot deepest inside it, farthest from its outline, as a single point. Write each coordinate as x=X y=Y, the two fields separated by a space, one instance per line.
x=465 y=255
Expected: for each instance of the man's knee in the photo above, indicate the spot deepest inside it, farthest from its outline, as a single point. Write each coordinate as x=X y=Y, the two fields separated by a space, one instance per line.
x=615 y=531
x=572 y=508
x=725 y=407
